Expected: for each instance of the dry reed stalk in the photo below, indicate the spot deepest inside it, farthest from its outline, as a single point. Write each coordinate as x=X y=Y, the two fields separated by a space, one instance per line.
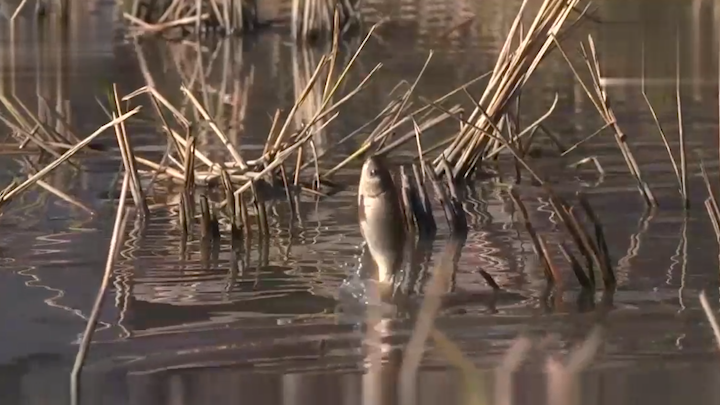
x=659 y=126
x=588 y=138
x=115 y=242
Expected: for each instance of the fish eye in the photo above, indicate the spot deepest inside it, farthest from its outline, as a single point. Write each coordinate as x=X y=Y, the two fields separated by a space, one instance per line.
x=373 y=172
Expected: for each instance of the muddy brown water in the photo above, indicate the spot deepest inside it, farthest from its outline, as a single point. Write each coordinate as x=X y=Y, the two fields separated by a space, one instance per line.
x=286 y=326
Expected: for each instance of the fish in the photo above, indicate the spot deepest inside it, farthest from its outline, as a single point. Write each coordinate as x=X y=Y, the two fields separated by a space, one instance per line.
x=381 y=217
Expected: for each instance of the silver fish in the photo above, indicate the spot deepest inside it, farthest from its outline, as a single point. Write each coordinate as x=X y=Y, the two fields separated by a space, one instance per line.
x=381 y=218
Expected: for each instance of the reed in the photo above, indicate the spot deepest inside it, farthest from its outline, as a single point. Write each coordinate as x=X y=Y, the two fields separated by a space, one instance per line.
x=115 y=243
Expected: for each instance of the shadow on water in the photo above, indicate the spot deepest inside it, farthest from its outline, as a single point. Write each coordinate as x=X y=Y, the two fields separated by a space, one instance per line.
x=284 y=319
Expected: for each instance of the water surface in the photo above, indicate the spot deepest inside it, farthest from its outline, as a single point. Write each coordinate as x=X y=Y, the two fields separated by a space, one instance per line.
x=278 y=323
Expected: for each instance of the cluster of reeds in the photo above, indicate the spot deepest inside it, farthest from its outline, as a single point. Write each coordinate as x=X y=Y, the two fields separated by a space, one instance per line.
x=202 y=116
x=224 y=17
x=488 y=129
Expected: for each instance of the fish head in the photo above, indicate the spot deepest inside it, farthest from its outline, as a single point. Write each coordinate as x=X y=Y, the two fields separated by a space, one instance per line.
x=375 y=178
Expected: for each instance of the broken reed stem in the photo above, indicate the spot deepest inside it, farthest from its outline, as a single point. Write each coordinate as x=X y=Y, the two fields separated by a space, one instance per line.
x=115 y=243
x=128 y=157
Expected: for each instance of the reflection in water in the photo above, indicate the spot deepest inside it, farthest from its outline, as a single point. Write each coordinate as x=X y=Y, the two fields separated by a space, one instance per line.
x=269 y=321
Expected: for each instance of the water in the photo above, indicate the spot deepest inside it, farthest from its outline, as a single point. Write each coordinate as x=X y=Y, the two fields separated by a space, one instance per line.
x=284 y=326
